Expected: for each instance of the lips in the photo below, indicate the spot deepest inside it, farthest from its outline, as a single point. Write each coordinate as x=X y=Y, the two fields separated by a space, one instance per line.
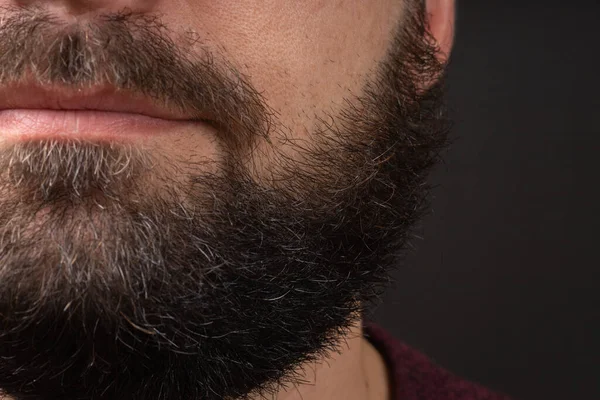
x=101 y=112
x=96 y=98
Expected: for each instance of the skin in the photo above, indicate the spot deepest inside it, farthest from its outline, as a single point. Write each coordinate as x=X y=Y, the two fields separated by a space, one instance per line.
x=304 y=57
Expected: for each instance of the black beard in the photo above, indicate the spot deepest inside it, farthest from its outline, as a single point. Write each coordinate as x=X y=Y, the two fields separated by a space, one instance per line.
x=108 y=291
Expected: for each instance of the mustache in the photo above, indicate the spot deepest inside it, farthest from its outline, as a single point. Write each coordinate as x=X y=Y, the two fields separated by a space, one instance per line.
x=133 y=52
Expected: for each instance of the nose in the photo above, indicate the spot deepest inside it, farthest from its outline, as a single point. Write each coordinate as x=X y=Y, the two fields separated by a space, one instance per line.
x=77 y=7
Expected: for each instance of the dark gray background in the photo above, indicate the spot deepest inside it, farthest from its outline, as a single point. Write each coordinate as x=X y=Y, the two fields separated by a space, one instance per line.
x=503 y=289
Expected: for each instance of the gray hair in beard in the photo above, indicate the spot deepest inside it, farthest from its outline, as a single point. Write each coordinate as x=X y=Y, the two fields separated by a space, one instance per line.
x=219 y=287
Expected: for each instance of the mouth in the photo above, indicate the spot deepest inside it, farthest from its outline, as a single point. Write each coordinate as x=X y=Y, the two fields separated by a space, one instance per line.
x=102 y=112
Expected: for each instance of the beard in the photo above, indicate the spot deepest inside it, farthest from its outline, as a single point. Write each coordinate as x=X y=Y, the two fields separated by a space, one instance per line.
x=120 y=281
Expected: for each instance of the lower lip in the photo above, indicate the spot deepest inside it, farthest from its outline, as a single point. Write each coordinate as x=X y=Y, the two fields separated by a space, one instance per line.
x=26 y=124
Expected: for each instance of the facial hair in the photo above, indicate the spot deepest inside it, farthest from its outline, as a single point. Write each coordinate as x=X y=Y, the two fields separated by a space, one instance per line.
x=214 y=285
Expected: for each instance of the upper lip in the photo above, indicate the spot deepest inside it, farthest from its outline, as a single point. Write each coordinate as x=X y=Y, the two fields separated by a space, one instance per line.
x=95 y=98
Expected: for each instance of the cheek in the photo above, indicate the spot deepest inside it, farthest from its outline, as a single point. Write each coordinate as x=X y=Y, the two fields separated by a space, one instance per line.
x=305 y=57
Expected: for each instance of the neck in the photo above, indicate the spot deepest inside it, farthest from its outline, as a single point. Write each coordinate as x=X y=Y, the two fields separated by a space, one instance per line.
x=356 y=372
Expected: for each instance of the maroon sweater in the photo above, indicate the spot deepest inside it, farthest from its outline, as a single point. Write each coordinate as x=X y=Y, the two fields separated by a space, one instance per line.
x=414 y=377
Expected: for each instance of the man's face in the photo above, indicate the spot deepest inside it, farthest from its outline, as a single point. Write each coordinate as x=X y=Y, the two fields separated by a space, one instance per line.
x=207 y=253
